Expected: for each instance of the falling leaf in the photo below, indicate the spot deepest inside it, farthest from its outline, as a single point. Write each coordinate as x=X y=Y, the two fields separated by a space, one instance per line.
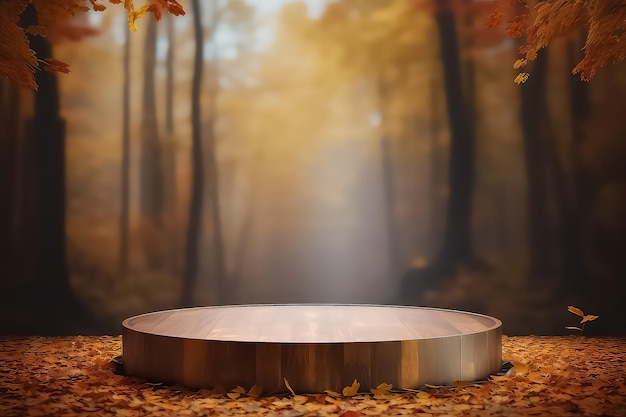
x=233 y=395
x=587 y=318
x=574 y=328
x=289 y=386
x=351 y=390
x=576 y=311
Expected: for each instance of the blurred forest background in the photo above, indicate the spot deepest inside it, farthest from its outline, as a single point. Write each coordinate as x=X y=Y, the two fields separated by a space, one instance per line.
x=347 y=151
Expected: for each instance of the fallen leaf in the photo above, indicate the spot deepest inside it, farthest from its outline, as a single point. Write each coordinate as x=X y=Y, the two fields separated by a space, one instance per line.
x=382 y=389
x=288 y=386
x=255 y=391
x=351 y=390
x=332 y=393
x=460 y=384
x=299 y=399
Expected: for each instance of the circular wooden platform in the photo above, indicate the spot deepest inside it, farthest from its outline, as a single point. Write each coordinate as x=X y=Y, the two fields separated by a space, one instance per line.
x=316 y=347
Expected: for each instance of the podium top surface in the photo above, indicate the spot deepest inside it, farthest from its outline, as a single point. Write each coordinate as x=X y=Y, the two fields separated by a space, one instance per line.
x=310 y=323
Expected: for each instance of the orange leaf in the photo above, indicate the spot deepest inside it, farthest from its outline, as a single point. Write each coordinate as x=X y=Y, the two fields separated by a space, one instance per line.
x=460 y=384
x=576 y=311
x=255 y=391
x=288 y=386
x=589 y=317
x=350 y=391
x=382 y=389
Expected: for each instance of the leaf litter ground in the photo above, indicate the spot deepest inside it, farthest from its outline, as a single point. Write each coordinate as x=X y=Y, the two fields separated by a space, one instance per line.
x=79 y=376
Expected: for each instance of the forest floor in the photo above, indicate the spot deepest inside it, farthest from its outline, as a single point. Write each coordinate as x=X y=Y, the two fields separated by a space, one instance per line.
x=77 y=376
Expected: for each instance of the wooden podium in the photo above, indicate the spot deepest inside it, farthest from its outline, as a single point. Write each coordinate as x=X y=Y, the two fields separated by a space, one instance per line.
x=315 y=347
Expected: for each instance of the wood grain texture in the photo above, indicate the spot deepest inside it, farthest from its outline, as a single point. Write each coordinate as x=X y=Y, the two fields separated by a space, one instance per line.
x=316 y=347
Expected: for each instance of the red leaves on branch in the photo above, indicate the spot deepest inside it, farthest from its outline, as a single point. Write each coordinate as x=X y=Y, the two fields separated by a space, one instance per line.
x=18 y=62
x=545 y=21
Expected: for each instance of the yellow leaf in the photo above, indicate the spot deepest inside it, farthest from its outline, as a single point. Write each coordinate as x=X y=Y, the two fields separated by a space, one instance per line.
x=233 y=395
x=520 y=368
x=351 y=391
x=299 y=400
x=423 y=395
x=433 y=386
x=521 y=78
x=574 y=328
x=333 y=393
x=288 y=386
x=520 y=63
x=141 y=12
x=576 y=311
x=332 y=400
x=382 y=389
x=460 y=384
x=240 y=389
x=589 y=317
x=255 y=391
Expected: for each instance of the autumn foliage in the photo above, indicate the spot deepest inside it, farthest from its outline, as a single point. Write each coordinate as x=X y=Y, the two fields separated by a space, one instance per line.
x=18 y=62
x=544 y=21
x=77 y=376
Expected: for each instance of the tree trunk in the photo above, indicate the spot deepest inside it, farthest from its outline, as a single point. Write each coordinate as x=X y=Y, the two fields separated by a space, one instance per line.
x=213 y=201
x=170 y=152
x=456 y=249
x=151 y=170
x=389 y=193
x=9 y=117
x=213 y=190
x=533 y=119
x=59 y=311
x=437 y=172
x=197 y=184
x=125 y=175
x=169 y=75
x=574 y=267
x=457 y=244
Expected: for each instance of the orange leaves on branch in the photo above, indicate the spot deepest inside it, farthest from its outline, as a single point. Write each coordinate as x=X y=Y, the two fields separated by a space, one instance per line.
x=545 y=21
x=157 y=7
x=53 y=65
x=18 y=62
